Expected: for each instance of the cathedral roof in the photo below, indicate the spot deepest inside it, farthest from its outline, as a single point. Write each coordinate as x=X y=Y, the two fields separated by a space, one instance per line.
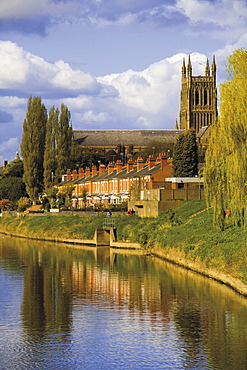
x=202 y=131
x=123 y=137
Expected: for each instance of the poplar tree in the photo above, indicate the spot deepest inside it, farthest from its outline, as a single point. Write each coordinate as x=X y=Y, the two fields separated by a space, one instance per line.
x=226 y=157
x=50 y=148
x=64 y=139
x=33 y=145
x=185 y=156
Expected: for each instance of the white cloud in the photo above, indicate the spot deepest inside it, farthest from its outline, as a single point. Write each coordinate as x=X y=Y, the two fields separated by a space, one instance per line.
x=22 y=9
x=65 y=77
x=231 y=15
x=20 y=69
x=92 y=117
x=8 y=149
x=13 y=65
x=11 y=102
x=150 y=90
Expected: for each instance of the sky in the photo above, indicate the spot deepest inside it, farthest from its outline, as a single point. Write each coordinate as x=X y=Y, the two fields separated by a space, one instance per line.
x=116 y=64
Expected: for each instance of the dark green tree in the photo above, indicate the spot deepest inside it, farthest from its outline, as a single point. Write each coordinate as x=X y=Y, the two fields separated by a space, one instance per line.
x=12 y=188
x=64 y=140
x=155 y=148
x=178 y=157
x=50 y=148
x=33 y=146
x=14 y=168
x=185 y=155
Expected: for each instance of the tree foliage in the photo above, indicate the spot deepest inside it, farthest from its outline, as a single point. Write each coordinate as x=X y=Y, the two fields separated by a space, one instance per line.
x=23 y=204
x=14 y=168
x=33 y=146
x=185 y=155
x=50 y=148
x=155 y=148
x=226 y=157
x=12 y=188
x=64 y=139
x=45 y=147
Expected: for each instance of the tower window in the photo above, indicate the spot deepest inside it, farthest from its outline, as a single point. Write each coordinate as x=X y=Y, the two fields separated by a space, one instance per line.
x=205 y=97
x=197 y=97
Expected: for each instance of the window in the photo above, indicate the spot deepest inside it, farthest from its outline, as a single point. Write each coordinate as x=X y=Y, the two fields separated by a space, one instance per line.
x=197 y=97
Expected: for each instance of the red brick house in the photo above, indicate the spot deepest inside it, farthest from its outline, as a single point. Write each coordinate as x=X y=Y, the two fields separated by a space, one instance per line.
x=114 y=183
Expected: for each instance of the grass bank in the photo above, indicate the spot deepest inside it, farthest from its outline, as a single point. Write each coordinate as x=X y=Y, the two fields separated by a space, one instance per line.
x=175 y=235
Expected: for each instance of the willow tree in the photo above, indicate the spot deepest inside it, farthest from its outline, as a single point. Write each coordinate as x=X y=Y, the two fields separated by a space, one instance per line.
x=33 y=145
x=226 y=157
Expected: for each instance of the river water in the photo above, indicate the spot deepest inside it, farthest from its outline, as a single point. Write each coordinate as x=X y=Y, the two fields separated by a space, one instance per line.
x=88 y=308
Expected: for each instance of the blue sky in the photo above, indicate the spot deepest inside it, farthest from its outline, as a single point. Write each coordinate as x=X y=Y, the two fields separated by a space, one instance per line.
x=116 y=64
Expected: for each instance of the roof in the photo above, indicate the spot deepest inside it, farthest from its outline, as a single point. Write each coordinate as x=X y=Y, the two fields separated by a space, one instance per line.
x=123 y=137
x=202 y=131
x=145 y=171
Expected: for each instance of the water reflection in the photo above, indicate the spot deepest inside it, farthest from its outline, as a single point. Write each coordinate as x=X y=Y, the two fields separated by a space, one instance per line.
x=99 y=308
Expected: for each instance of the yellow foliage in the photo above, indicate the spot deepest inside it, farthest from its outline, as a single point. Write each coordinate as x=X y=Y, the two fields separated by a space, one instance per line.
x=226 y=157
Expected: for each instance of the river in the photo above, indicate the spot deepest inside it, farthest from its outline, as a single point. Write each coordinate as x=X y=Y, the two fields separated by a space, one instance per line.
x=88 y=308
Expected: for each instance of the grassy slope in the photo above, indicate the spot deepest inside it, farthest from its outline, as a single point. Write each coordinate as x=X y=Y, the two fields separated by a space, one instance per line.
x=194 y=238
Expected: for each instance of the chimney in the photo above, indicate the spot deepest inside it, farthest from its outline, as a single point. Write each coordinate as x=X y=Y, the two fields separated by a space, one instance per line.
x=163 y=159
x=130 y=165
x=158 y=159
x=74 y=175
x=131 y=149
x=68 y=174
x=140 y=163
x=94 y=170
x=151 y=161
x=87 y=172
x=81 y=173
x=110 y=168
x=119 y=165
x=101 y=169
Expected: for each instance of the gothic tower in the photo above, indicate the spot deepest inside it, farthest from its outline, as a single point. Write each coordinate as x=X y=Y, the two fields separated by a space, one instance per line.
x=198 y=99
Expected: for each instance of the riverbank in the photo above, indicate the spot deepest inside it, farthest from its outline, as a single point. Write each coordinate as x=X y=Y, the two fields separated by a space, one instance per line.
x=184 y=236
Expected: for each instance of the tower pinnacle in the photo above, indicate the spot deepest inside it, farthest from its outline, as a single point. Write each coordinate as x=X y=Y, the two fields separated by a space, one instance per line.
x=207 y=70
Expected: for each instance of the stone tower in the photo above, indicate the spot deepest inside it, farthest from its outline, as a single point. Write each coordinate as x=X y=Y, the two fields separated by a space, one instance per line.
x=198 y=100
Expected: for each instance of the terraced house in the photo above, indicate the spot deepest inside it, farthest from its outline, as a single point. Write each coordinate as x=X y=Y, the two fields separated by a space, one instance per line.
x=114 y=183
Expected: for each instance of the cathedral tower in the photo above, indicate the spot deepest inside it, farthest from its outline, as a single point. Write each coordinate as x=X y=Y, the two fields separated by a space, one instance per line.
x=198 y=99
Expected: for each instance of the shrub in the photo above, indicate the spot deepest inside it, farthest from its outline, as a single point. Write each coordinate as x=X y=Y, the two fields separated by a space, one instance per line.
x=23 y=204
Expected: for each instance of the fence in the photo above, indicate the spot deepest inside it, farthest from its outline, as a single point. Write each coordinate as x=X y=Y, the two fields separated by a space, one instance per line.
x=109 y=222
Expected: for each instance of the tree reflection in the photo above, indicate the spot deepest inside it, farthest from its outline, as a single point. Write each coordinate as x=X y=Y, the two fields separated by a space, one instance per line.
x=209 y=319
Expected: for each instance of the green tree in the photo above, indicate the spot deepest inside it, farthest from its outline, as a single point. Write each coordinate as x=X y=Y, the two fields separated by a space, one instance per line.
x=84 y=194
x=12 y=188
x=52 y=196
x=155 y=148
x=14 y=168
x=23 y=204
x=225 y=173
x=33 y=145
x=64 y=140
x=185 y=155
x=50 y=148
